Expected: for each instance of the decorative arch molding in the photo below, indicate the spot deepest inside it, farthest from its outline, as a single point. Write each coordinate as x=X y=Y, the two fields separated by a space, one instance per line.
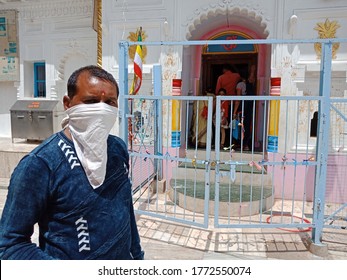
x=227 y=13
x=74 y=49
x=44 y=10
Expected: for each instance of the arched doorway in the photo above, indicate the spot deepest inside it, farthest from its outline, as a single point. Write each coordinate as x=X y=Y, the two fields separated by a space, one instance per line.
x=205 y=65
x=240 y=57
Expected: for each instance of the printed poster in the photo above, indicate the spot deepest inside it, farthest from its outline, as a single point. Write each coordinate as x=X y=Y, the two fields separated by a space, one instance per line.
x=9 y=68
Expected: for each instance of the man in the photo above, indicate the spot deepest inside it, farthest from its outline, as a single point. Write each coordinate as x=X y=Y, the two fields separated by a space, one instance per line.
x=247 y=87
x=75 y=184
x=228 y=80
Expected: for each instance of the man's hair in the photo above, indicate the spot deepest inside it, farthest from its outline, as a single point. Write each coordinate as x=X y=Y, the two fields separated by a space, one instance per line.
x=227 y=67
x=93 y=71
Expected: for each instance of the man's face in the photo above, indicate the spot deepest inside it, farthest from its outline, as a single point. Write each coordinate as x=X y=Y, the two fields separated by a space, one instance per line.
x=92 y=90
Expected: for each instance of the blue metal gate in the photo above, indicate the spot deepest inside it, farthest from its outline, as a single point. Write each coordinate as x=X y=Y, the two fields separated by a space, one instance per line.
x=164 y=178
x=191 y=184
x=247 y=194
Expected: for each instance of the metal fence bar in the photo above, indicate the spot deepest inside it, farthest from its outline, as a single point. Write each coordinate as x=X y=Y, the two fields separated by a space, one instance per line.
x=158 y=121
x=217 y=120
x=322 y=143
x=237 y=42
x=123 y=90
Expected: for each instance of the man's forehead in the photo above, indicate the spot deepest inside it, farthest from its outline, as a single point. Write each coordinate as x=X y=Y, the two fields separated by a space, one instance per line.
x=94 y=80
x=97 y=85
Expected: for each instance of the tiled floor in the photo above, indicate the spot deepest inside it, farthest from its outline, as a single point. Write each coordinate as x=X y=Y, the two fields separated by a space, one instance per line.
x=168 y=240
x=163 y=239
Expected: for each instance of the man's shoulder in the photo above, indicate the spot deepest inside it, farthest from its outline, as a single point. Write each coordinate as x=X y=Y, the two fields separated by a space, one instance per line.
x=115 y=141
x=47 y=152
x=116 y=147
x=232 y=74
x=46 y=144
x=54 y=148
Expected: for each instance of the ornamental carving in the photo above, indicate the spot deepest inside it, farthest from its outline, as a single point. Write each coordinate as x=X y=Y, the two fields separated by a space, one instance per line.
x=326 y=30
x=44 y=9
x=252 y=10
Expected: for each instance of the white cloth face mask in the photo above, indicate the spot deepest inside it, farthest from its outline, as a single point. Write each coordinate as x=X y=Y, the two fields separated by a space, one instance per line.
x=90 y=125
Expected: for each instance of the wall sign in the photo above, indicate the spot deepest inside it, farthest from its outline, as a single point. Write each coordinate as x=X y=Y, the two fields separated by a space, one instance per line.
x=230 y=48
x=9 y=69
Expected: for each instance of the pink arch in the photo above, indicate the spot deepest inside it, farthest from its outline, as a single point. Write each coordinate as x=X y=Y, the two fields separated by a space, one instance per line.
x=262 y=49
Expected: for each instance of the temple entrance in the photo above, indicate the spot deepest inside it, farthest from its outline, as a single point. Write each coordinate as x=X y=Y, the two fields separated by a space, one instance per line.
x=212 y=65
x=211 y=69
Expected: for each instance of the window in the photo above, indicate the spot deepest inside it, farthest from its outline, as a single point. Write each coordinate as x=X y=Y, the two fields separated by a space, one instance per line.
x=39 y=79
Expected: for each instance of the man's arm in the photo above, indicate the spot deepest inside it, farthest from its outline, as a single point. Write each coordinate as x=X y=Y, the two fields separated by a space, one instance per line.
x=135 y=249
x=218 y=85
x=25 y=204
x=237 y=102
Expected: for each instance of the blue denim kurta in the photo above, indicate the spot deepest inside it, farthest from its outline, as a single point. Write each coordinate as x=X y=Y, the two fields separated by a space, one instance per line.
x=49 y=187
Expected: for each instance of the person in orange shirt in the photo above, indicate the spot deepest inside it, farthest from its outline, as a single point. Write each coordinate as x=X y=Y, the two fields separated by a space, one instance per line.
x=228 y=80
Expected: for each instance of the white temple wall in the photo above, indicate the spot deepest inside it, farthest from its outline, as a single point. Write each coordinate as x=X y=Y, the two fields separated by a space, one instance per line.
x=60 y=34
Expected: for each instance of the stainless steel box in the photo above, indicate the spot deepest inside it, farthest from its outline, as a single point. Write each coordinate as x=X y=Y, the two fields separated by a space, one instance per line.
x=35 y=119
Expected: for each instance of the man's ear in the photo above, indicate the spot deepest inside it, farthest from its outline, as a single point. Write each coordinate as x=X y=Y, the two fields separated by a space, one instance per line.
x=66 y=102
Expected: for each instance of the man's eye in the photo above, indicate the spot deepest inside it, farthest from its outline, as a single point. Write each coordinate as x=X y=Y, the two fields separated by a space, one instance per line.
x=91 y=101
x=112 y=103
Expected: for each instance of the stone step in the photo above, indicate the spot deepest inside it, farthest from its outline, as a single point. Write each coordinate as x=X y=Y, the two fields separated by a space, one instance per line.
x=226 y=155
x=242 y=161
x=243 y=175
x=8 y=161
x=4 y=182
x=11 y=153
x=232 y=200
x=239 y=178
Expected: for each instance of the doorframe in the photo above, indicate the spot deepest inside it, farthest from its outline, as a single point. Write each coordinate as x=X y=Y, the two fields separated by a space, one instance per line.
x=208 y=79
x=210 y=62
